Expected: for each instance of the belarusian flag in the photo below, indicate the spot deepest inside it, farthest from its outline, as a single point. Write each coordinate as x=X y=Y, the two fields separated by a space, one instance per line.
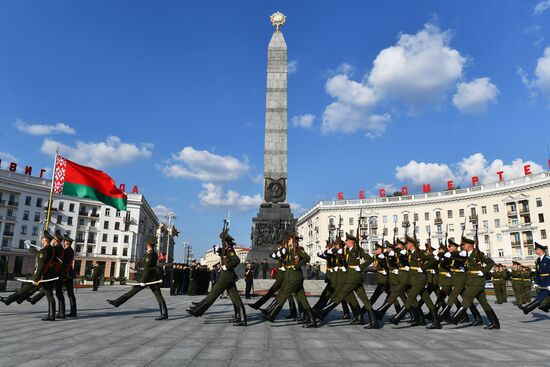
x=84 y=182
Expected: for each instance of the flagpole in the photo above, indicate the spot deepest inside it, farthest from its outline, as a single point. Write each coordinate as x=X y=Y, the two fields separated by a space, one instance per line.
x=51 y=192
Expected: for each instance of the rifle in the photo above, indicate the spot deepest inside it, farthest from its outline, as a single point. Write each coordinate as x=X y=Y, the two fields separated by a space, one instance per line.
x=414 y=235
x=340 y=220
x=359 y=227
x=463 y=227
x=395 y=229
x=225 y=231
x=429 y=242
x=383 y=235
x=446 y=234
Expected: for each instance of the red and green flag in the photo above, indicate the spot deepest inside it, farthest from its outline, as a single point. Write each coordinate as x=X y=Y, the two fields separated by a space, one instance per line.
x=73 y=179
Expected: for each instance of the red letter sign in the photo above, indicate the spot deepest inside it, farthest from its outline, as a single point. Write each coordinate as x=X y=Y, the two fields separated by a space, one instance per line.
x=122 y=187
x=475 y=180
x=449 y=185
x=361 y=194
x=13 y=167
x=382 y=193
x=42 y=171
x=426 y=188
x=135 y=190
x=527 y=169
x=404 y=190
x=28 y=170
x=499 y=173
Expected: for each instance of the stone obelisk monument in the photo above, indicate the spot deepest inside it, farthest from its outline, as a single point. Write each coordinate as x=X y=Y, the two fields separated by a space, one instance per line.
x=274 y=216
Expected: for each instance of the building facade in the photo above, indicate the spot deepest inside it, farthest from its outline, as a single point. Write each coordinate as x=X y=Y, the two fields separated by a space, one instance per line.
x=211 y=258
x=510 y=215
x=102 y=234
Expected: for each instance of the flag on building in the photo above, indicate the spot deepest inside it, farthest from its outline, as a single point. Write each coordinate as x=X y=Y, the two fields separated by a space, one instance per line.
x=72 y=179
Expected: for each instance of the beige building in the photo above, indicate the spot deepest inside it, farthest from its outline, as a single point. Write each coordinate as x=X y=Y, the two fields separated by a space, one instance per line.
x=211 y=258
x=511 y=215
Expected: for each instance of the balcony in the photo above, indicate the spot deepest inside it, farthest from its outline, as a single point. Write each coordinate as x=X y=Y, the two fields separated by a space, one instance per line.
x=438 y=220
x=15 y=204
x=10 y=218
x=92 y=229
x=405 y=223
x=8 y=234
x=473 y=218
x=512 y=213
x=83 y=214
x=2 y=202
x=524 y=211
x=95 y=215
x=515 y=244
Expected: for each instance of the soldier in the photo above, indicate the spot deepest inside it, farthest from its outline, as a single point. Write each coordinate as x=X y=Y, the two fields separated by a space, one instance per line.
x=542 y=281
x=149 y=275
x=264 y=266
x=526 y=274
x=43 y=272
x=68 y=274
x=255 y=268
x=517 y=282
x=59 y=265
x=226 y=281
x=193 y=275
x=95 y=276
x=381 y=269
x=500 y=276
x=477 y=265
x=249 y=279
x=317 y=270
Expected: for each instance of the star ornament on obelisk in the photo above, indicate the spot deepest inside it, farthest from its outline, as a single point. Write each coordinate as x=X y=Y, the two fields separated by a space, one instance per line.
x=277 y=19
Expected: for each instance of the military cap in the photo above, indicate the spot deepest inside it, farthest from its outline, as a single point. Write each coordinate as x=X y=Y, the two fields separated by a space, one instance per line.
x=409 y=239
x=151 y=239
x=378 y=245
x=66 y=237
x=516 y=263
x=388 y=243
x=399 y=242
x=542 y=247
x=468 y=240
x=350 y=237
x=47 y=235
x=441 y=247
x=452 y=243
x=58 y=236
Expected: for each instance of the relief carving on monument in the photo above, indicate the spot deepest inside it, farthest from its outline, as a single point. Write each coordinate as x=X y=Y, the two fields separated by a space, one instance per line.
x=275 y=190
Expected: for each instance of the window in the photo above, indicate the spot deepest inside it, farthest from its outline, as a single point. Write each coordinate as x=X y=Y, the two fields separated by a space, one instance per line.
x=405 y=217
x=28 y=200
x=60 y=205
x=427 y=229
x=106 y=225
x=113 y=252
x=126 y=226
x=89 y=249
x=103 y=250
x=70 y=221
x=395 y=218
x=351 y=232
x=449 y=214
x=107 y=212
x=539 y=202
x=500 y=252
x=39 y=202
x=350 y=222
x=473 y=212
x=81 y=222
x=92 y=223
x=117 y=225
x=451 y=227
x=461 y=213
x=543 y=234
x=415 y=217
x=37 y=217
x=486 y=239
x=71 y=207
x=11 y=200
x=497 y=223
x=426 y=216
x=59 y=219
x=79 y=237
x=331 y=221
x=499 y=237
x=485 y=224
x=117 y=214
x=483 y=210
x=541 y=218
x=125 y=251
x=26 y=215
x=24 y=229
x=385 y=231
x=78 y=249
x=35 y=230
x=126 y=238
x=104 y=237
x=21 y=244
x=115 y=237
x=384 y=219
x=495 y=208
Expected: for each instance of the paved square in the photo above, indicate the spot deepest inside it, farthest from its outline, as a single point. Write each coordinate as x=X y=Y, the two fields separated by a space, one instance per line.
x=129 y=336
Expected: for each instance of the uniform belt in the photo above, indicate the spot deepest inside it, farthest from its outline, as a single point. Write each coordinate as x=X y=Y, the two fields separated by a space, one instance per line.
x=414 y=267
x=403 y=268
x=473 y=271
x=443 y=273
x=544 y=275
x=289 y=266
x=330 y=268
x=456 y=271
x=517 y=278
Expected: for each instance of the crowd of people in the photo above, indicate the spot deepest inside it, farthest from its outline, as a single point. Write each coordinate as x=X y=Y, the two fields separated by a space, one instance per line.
x=191 y=280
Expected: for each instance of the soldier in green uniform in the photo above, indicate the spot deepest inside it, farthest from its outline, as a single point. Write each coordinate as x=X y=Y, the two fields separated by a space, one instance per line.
x=150 y=274
x=500 y=276
x=68 y=274
x=380 y=267
x=526 y=275
x=477 y=267
x=517 y=282
x=226 y=282
x=44 y=271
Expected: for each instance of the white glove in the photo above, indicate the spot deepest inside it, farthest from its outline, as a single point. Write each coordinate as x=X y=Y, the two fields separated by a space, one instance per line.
x=395 y=271
x=432 y=271
x=535 y=285
x=447 y=255
x=419 y=270
x=448 y=275
x=278 y=253
x=330 y=270
x=357 y=268
x=436 y=257
x=383 y=272
x=480 y=274
x=548 y=288
x=27 y=243
x=463 y=253
x=282 y=268
x=403 y=252
x=274 y=256
x=343 y=268
x=533 y=270
x=142 y=284
x=283 y=251
x=381 y=257
x=224 y=267
x=319 y=254
x=462 y=270
x=340 y=251
x=391 y=253
x=509 y=270
x=491 y=271
x=406 y=268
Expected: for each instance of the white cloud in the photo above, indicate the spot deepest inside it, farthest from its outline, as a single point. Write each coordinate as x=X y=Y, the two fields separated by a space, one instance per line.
x=420 y=69
x=542 y=73
x=8 y=157
x=292 y=67
x=541 y=7
x=297 y=209
x=161 y=211
x=303 y=121
x=213 y=195
x=419 y=173
x=205 y=166
x=111 y=152
x=474 y=96
x=43 y=129
x=390 y=188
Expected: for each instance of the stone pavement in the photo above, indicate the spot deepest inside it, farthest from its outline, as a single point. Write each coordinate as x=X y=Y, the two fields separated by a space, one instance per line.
x=128 y=336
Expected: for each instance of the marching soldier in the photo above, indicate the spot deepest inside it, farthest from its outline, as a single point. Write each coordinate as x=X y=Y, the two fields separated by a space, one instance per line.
x=517 y=282
x=265 y=266
x=381 y=269
x=69 y=275
x=149 y=278
x=226 y=281
x=526 y=275
x=477 y=265
x=59 y=269
x=542 y=281
x=95 y=276
x=500 y=276
x=41 y=278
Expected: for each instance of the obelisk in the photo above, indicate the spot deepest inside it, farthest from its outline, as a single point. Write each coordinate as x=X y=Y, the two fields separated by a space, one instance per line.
x=274 y=217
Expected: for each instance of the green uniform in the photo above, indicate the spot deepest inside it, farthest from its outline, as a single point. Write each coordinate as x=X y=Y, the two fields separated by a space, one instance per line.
x=458 y=276
x=517 y=285
x=499 y=283
x=227 y=279
x=382 y=278
x=294 y=277
x=419 y=264
x=356 y=261
x=478 y=266
x=526 y=276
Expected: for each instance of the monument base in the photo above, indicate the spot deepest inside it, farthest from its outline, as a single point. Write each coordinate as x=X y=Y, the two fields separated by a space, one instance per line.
x=268 y=230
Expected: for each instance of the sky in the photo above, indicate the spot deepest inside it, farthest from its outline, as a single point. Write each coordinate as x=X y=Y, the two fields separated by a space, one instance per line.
x=170 y=96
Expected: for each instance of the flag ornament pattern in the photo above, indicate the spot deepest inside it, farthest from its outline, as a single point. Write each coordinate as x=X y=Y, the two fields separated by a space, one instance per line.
x=73 y=179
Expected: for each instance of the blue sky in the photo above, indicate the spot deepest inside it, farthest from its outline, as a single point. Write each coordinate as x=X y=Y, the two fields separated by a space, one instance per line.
x=171 y=96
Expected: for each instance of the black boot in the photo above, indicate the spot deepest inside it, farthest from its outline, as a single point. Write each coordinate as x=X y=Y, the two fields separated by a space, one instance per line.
x=199 y=310
x=530 y=307
x=9 y=299
x=61 y=309
x=399 y=316
x=311 y=318
x=51 y=312
x=545 y=308
x=478 y=320
x=274 y=312
x=420 y=320
x=445 y=314
x=119 y=301
x=435 y=321
x=292 y=307
x=326 y=310
x=493 y=321
x=345 y=309
x=241 y=312
x=301 y=316
x=72 y=305
x=382 y=311
x=265 y=312
x=236 y=317
x=455 y=319
x=37 y=297
x=373 y=320
x=163 y=312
